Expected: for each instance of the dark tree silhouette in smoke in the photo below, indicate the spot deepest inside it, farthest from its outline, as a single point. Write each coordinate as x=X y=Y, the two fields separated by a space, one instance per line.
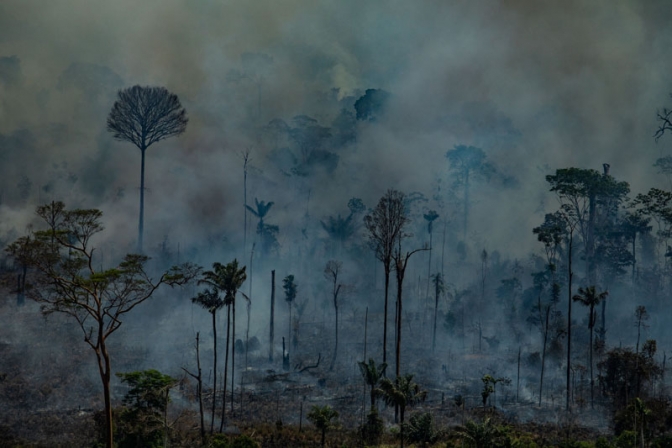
x=144 y=116
x=385 y=225
x=591 y=298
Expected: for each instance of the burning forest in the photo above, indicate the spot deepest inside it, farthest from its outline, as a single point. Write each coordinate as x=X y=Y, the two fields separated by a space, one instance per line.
x=424 y=224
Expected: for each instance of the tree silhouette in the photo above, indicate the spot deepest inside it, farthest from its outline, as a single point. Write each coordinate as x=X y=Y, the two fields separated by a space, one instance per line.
x=144 y=116
x=385 y=225
x=439 y=289
x=210 y=300
x=265 y=231
x=65 y=280
x=228 y=279
x=331 y=272
x=467 y=162
x=430 y=217
x=591 y=298
x=372 y=374
x=401 y=393
x=290 y=294
x=322 y=417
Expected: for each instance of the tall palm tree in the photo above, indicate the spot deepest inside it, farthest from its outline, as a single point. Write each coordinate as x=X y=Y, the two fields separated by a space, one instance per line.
x=401 y=392
x=265 y=231
x=211 y=301
x=430 y=217
x=228 y=279
x=590 y=298
x=372 y=374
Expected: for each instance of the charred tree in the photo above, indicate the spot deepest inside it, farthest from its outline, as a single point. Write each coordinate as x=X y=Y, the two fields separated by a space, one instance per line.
x=385 y=226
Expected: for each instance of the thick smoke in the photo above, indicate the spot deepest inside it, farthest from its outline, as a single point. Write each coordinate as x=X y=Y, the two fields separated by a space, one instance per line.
x=537 y=85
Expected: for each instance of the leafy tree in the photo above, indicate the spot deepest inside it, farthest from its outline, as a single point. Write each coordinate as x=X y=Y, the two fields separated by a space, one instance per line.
x=331 y=272
x=65 y=280
x=372 y=374
x=484 y=435
x=422 y=430
x=582 y=192
x=401 y=393
x=210 y=300
x=468 y=162
x=634 y=224
x=323 y=418
x=385 y=225
x=144 y=116
x=227 y=279
x=591 y=298
x=267 y=233
x=623 y=372
x=371 y=105
x=143 y=421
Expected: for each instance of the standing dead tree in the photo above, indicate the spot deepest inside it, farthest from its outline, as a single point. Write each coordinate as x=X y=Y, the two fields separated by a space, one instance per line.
x=144 y=116
x=331 y=273
x=385 y=225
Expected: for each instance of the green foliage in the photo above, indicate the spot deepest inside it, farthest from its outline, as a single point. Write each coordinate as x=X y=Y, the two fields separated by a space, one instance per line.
x=421 y=429
x=372 y=430
x=323 y=417
x=244 y=442
x=372 y=373
x=141 y=421
x=484 y=435
x=402 y=392
x=624 y=372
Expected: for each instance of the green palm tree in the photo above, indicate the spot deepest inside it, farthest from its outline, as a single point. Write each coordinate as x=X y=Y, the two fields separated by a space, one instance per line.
x=211 y=301
x=590 y=298
x=266 y=232
x=372 y=374
x=322 y=417
x=481 y=435
x=228 y=279
x=401 y=392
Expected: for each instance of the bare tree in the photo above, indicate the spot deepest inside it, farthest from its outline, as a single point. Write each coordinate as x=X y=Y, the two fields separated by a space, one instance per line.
x=144 y=116
x=400 y=265
x=331 y=273
x=385 y=225
x=65 y=280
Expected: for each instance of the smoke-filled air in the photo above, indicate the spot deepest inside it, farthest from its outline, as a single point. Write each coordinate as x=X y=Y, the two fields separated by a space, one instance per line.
x=335 y=223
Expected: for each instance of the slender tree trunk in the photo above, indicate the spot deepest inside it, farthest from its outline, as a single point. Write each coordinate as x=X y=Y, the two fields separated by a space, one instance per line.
x=226 y=365
x=141 y=222
x=400 y=282
x=543 y=351
x=402 y=410
x=436 y=311
x=590 y=351
x=200 y=388
x=104 y=370
x=333 y=359
x=569 y=318
x=233 y=350
x=518 y=376
x=324 y=430
x=214 y=369
x=387 y=289
x=272 y=325
x=466 y=205
x=366 y=324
